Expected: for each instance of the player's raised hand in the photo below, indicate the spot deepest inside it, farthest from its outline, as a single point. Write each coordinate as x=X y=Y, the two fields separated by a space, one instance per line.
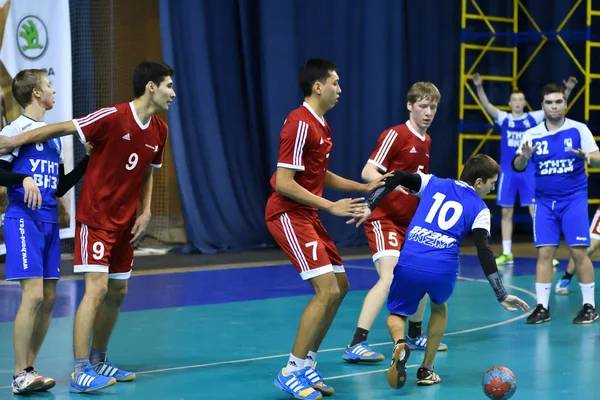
x=139 y=228
x=347 y=207
x=581 y=154
x=33 y=197
x=527 y=150
x=6 y=145
x=513 y=303
x=360 y=217
x=570 y=83
x=477 y=79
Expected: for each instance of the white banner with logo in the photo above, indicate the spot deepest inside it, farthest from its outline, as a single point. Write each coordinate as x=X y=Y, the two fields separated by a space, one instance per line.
x=37 y=34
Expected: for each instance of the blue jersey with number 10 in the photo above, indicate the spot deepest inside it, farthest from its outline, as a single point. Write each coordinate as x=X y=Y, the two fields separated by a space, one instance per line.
x=448 y=210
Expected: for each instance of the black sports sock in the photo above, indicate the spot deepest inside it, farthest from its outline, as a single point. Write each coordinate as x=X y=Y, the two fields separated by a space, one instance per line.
x=567 y=276
x=414 y=329
x=359 y=336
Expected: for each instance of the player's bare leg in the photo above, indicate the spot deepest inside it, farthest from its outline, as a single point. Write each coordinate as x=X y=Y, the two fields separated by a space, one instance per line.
x=435 y=330
x=343 y=286
x=42 y=320
x=32 y=292
x=562 y=285
x=378 y=294
x=585 y=275
x=96 y=287
x=397 y=372
x=108 y=314
x=40 y=328
x=507 y=230
x=543 y=284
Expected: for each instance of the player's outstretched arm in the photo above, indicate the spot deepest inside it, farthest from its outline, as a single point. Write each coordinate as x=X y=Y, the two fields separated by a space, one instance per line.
x=288 y=187
x=490 y=269
x=392 y=181
x=489 y=107
x=371 y=173
x=7 y=144
x=336 y=182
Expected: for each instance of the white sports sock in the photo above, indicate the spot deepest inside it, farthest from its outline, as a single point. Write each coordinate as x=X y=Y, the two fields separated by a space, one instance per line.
x=587 y=291
x=311 y=359
x=542 y=292
x=506 y=246
x=294 y=364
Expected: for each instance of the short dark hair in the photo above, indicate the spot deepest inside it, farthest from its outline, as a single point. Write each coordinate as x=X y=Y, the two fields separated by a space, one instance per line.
x=149 y=71
x=24 y=83
x=479 y=166
x=516 y=91
x=553 y=88
x=313 y=70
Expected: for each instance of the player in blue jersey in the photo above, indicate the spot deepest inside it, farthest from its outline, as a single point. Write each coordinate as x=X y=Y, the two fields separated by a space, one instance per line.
x=34 y=177
x=512 y=126
x=558 y=150
x=449 y=209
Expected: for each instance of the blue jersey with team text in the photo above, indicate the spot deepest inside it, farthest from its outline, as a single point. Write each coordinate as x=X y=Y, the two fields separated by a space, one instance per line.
x=448 y=210
x=40 y=161
x=511 y=133
x=558 y=171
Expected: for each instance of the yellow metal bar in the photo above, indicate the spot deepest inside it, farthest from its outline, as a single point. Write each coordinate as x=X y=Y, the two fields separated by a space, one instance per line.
x=588 y=79
x=515 y=65
x=485 y=19
x=463 y=19
x=593 y=201
x=537 y=28
x=595 y=13
x=593 y=76
x=460 y=155
x=480 y=145
x=594 y=44
x=489 y=197
x=477 y=107
x=491 y=48
x=489 y=18
x=593 y=108
x=463 y=83
x=594 y=170
x=562 y=24
x=496 y=78
x=568 y=50
x=531 y=57
x=478 y=59
x=479 y=136
x=571 y=102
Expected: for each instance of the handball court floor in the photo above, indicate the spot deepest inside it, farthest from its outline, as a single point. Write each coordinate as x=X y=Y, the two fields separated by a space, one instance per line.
x=197 y=331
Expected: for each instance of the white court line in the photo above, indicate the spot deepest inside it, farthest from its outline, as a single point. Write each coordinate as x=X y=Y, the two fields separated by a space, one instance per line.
x=342 y=348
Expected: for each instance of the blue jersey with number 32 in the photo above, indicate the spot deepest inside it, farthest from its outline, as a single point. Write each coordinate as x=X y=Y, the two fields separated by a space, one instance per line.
x=448 y=210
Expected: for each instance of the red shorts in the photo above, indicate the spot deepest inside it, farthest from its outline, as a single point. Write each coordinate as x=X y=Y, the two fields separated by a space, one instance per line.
x=595 y=227
x=97 y=250
x=303 y=238
x=385 y=237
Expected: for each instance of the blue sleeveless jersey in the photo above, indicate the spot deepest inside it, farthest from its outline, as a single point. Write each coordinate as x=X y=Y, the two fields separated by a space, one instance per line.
x=40 y=161
x=448 y=210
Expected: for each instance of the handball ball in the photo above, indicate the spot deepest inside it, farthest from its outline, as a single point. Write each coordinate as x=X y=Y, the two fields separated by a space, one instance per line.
x=499 y=383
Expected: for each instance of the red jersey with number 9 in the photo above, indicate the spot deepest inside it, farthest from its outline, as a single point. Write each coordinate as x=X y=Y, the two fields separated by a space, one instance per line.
x=123 y=151
x=400 y=148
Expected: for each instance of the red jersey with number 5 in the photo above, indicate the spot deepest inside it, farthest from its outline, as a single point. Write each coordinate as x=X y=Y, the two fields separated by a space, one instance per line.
x=123 y=151
x=400 y=148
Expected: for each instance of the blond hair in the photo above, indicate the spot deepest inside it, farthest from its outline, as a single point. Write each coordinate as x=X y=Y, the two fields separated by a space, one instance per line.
x=423 y=90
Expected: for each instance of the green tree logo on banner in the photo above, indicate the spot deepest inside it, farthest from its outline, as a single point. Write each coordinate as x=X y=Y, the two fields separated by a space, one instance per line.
x=32 y=37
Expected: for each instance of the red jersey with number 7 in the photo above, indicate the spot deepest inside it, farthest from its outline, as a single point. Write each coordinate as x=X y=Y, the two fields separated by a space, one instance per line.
x=124 y=149
x=400 y=148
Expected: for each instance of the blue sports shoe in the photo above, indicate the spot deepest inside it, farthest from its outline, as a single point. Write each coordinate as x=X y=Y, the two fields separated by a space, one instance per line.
x=420 y=342
x=361 y=352
x=107 y=369
x=315 y=379
x=89 y=380
x=562 y=287
x=296 y=384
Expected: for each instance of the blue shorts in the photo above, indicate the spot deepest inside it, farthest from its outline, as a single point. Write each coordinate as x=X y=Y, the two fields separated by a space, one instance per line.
x=569 y=216
x=509 y=183
x=32 y=249
x=410 y=285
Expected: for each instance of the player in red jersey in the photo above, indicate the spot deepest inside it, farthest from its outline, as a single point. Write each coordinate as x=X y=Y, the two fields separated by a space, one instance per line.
x=128 y=141
x=304 y=147
x=403 y=147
